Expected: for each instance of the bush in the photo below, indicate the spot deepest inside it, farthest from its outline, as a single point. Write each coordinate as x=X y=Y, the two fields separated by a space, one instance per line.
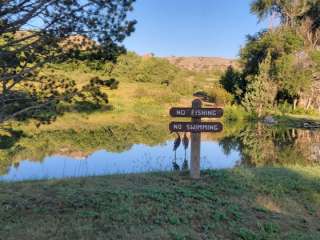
x=282 y=41
x=220 y=96
x=284 y=107
x=131 y=67
x=234 y=83
x=236 y=113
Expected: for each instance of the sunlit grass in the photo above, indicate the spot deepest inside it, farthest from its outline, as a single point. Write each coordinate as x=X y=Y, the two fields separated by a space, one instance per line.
x=261 y=203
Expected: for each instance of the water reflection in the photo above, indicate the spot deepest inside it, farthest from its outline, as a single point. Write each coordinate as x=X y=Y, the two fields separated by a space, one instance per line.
x=261 y=145
x=132 y=149
x=140 y=158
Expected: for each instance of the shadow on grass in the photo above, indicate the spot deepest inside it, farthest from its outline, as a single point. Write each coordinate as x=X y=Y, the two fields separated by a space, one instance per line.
x=261 y=203
x=85 y=107
x=273 y=203
x=9 y=137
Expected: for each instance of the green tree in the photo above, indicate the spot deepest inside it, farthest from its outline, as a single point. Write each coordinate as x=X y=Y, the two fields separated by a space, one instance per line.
x=24 y=50
x=233 y=82
x=281 y=59
x=290 y=11
x=293 y=76
x=300 y=15
x=261 y=92
x=278 y=43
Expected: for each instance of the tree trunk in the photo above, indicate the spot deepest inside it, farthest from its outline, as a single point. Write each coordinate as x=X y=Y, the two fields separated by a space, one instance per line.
x=308 y=104
x=295 y=103
x=260 y=110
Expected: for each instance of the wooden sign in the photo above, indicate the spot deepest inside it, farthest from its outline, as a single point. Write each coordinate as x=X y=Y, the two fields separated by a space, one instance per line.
x=195 y=127
x=197 y=113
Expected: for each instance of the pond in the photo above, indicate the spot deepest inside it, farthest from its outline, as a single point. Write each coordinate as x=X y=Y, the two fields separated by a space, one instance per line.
x=130 y=149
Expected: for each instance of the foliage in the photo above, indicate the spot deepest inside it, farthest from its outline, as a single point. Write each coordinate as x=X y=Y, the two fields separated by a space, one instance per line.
x=278 y=43
x=277 y=48
x=292 y=49
x=235 y=113
x=220 y=96
x=261 y=91
x=131 y=67
x=292 y=76
x=234 y=83
x=64 y=30
x=17 y=146
x=315 y=55
x=290 y=12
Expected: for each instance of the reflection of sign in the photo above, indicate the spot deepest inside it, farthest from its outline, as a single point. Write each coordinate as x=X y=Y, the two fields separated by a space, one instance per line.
x=197 y=113
x=195 y=127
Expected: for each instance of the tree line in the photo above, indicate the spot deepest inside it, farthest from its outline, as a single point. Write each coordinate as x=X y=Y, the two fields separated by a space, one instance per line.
x=280 y=65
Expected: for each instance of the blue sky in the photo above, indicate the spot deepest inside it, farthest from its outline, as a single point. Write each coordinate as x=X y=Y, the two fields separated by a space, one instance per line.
x=192 y=27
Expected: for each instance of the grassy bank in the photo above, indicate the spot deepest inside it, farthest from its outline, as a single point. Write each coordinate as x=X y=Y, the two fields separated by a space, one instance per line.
x=299 y=121
x=262 y=203
x=147 y=88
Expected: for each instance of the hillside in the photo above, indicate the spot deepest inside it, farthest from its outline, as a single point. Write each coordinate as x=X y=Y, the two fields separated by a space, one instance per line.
x=80 y=42
x=200 y=64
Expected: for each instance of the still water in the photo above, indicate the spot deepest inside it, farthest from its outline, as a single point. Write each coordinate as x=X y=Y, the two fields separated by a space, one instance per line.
x=121 y=150
x=140 y=158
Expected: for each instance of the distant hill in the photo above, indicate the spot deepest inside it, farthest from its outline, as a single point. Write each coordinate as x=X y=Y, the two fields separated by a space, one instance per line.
x=80 y=42
x=201 y=64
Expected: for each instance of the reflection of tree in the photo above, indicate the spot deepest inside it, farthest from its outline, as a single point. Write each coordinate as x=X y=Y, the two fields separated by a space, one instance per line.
x=230 y=143
x=264 y=145
x=308 y=143
x=115 y=138
x=257 y=144
x=8 y=137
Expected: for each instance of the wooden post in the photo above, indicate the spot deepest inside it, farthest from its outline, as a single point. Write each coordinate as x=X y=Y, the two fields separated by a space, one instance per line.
x=195 y=145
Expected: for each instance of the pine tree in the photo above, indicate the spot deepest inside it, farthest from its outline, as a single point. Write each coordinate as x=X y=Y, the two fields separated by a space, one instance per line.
x=261 y=91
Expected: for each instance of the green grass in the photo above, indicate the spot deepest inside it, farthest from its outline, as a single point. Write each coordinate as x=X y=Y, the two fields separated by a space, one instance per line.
x=297 y=121
x=149 y=100
x=262 y=203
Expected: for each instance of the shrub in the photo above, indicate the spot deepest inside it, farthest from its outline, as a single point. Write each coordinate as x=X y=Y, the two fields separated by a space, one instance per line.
x=220 y=96
x=234 y=83
x=236 y=113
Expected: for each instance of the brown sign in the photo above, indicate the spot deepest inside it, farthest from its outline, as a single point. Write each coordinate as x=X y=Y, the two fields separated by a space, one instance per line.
x=197 y=113
x=195 y=127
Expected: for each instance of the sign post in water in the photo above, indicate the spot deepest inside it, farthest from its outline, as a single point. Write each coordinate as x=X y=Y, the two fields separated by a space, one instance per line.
x=196 y=127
